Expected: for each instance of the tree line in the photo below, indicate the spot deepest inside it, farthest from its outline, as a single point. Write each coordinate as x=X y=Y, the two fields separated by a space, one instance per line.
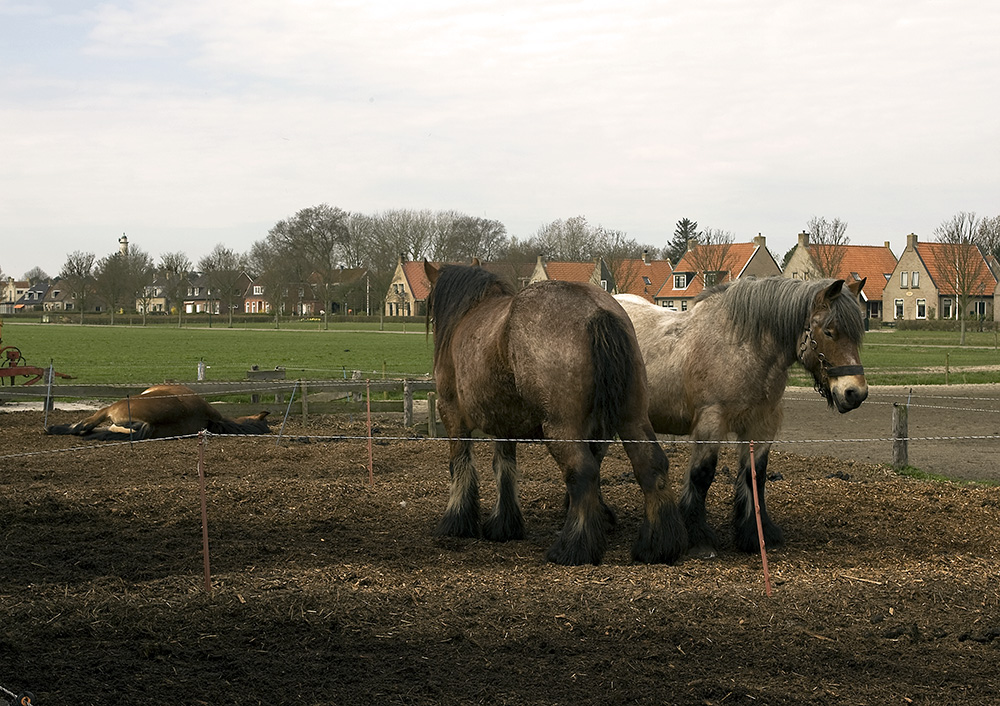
x=315 y=244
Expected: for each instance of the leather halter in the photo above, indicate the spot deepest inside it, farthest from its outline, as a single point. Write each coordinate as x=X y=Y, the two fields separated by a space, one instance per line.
x=827 y=371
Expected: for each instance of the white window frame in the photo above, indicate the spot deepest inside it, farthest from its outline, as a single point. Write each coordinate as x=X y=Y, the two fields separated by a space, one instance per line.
x=904 y=280
x=680 y=281
x=897 y=309
x=947 y=311
x=921 y=308
x=915 y=279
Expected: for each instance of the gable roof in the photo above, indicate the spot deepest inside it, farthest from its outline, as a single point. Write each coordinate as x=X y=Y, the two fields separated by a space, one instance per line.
x=420 y=286
x=737 y=257
x=935 y=259
x=876 y=262
x=569 y=271
x=638 y=270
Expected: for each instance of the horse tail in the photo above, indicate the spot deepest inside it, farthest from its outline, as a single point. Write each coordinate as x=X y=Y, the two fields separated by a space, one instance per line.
x=613 y=352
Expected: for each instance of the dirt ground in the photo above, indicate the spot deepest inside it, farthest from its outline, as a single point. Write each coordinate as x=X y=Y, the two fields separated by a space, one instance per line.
x=327 y=589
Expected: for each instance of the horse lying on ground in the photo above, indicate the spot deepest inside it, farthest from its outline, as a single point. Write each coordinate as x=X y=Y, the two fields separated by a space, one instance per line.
x=722 y=366
x=557 y=361
x=158 y=412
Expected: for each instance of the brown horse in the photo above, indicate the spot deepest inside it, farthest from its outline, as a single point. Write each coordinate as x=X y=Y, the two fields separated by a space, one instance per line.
x=557 y=361
x=158 y=412
x=722 y=366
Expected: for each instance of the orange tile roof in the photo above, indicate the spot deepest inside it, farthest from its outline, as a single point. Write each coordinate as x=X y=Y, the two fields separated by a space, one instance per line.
x=934 y=256
x=657 y=271
x=570 y=271
x=876 y=262
x=737 y=257
x=420 y=286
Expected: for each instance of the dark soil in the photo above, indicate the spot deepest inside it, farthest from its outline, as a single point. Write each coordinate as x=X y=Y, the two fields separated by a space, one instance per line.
x=329 y=590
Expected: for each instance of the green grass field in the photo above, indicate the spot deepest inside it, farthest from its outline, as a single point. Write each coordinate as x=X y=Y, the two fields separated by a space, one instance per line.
x=136 y=354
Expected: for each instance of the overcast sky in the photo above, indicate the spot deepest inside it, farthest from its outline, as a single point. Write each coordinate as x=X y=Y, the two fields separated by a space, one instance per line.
x=187 y=123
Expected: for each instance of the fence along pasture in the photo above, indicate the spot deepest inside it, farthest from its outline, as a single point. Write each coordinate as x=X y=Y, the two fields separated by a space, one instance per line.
x=311 y=397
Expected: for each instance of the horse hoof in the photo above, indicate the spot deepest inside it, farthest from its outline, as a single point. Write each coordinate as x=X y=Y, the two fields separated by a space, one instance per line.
x=702 y=552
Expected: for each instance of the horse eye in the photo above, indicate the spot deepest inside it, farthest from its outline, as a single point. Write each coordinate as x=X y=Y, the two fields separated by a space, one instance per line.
x=828 y=332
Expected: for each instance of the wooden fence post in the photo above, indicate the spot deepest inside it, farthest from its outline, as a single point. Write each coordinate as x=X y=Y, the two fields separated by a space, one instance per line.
x=900 y=435
x=432 y=415
x=407 y=403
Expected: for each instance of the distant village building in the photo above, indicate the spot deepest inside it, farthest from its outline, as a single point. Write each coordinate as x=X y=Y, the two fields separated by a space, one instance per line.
x=704 y=266
x=854 y=262
x=923 y=284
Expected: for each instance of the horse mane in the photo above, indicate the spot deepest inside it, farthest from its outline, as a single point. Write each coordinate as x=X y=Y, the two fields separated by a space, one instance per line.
x=779 y=307
x=457 y=289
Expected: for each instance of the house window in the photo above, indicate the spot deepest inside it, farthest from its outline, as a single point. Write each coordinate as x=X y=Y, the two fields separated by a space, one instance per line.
x=899 y=308
x=645 y=280
x=604 y=285
x=914 y=279
x=946 y=308
x=711 y=278
x=258 y=290
x=979 y=307
x=684 y=304
x=668 y=303
x=795 y=275
x=921 y=308
x=903 y=280
x=680 y=281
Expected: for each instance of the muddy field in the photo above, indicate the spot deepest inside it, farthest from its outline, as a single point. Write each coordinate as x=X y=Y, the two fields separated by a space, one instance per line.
x=329 y=590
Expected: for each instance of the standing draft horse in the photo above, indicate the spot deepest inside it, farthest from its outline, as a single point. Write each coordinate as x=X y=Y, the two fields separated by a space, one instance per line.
x=556 y=361
x=160 y=411
x=721 y=368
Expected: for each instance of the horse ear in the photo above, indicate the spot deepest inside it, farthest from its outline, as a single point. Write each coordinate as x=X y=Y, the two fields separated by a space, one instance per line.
x=856 y=287
x=476 y=262
x=431 y=272
x=833 y=291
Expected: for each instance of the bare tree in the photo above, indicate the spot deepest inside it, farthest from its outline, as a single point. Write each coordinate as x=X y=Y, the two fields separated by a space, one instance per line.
x=78 y=278
x=621 y=254
x=225 y=271
x=175 y=268
x=826 y=244
x=141 y=273
x=274 y=268
x=572 y=239
x=111 y=281
x=315 y=237
x=962 y=262
x=988 y=236
x=36 y=275
x=466 y=237
x=710 y=255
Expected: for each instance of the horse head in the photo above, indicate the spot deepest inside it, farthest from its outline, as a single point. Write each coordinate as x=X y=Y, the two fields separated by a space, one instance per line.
x=828 y=348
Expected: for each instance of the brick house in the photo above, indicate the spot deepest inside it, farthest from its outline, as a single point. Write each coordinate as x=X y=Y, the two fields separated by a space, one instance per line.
x=707 y=265
x=922 y=285
x=643 y=276
x=857 y=262
x=595 y=272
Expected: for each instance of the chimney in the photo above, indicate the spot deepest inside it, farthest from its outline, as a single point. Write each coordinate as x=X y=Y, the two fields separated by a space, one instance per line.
x=645 y=257
x=911 y=241
x=887 y=245
x=760 y=241
x=803 y=239
x=691 y=242
x=123 y=244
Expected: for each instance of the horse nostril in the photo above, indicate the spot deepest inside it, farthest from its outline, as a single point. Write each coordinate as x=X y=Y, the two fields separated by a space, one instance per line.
x=855 y=396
